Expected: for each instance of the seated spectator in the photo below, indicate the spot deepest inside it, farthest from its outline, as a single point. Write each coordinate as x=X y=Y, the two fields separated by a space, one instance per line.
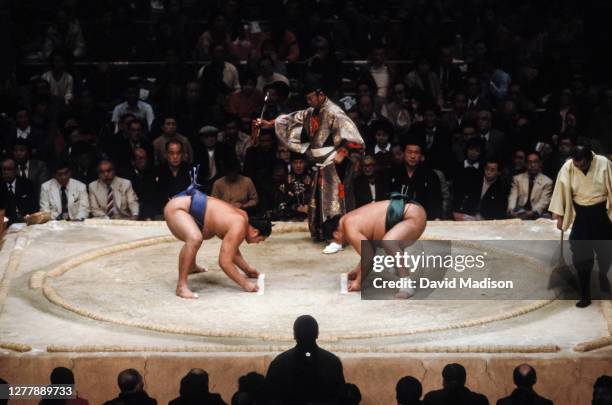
x=111 y=196
x=132 y=390
x=64 y=34
x=219 y=68
x=234 y=139
x=17 y=192
x=349 y=394
x=195 y=391
x=468 y=181
x=454 y=391
x=212 y=156
x=518 y=165
x=531 y=191
x=467 y=133
x=408 y=391
x=246 y=101
x=143 y=182
x=366 y=117
x=456 y=118
x=494 y=141
x=396 y=110
x=60 y=81
x=88 y=113
x=25 y=131
x=168 y=133
x=254 y=386
x=63 y=196
x=305 y=373
x=267 y=75
x=397 y=154
x=283 y=156
x=32 y=169
x=434 y=138
x=370 y=186
x=448 y=73
x=382 y=149
x=63 y=376
x=236 y=189
x=418 y=181
x=525 y=378
x=140 y=109
x=381 y=73
x=171 y=177
x=602 y=391
x=424 y=83
x=494 y=193
x=559 y=156
x=475 y=100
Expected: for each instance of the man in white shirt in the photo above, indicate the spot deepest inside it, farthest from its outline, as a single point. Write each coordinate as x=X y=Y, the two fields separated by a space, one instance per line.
x=141 y=110
x=111 y=196
x=531 y=191
x=229 y=71
x=64 y=197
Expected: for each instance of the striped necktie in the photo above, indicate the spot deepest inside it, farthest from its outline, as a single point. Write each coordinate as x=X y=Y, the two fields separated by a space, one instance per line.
x=110 y=202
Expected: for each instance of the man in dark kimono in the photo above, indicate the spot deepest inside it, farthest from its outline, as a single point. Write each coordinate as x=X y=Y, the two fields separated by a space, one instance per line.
x=325 y=134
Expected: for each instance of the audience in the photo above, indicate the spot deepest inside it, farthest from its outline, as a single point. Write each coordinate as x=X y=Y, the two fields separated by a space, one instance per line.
x=524 y=378
x=28 y=168
x=112 y=196
x=194 y=390
x=236 y=189
x=172 y=177
x=133 y=105
x=408 y=391
x=18 y=193
x=63 y=376
x=64 y=197
x=168 y=133
x=454 y=390
x=531 y=191
x=131 y=387
x=305 y=373
x=369 y=185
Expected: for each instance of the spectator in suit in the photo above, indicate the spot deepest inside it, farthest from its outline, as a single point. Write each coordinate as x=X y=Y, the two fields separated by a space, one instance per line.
x=169 y=132
x=234 y=139
x=254 y=386
x=212 y=156
x=560 y=155
x=424 y=83
x=24 y=130
x=396 y=110
x=456 y=118
x=475 y=99
x=448 y=73
x=383 y=134
x=140 y=109
x=136 y=139
x=194 y=390
x=494 y=141
x=140 y=174
x=305 y=373
x=64 y=376
x=434 y=137
x=171 y=177
x=419 y=182
x=236 y=189
x=32 y=169
x=459 y=143
x=63 y=196
x=531 y=191
x=370 y=186
x=525 y=378
x=494 y=192
x=454 y=390
x=518 y=165
x=408 y=391
x=468 y=183
x=132 y=390
x=19 y=193
x=111 y=196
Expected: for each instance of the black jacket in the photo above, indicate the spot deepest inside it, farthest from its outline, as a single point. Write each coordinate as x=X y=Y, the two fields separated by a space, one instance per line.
x=494 y=203
x=463 y=396
x=136 y=398
x=423 y=187
x=363 y=193
x=524 y=397
x=22 y=202
x=206 y=399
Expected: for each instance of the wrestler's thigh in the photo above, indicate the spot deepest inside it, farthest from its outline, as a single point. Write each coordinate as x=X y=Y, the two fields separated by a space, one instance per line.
x=403 y=231
x=183 y=226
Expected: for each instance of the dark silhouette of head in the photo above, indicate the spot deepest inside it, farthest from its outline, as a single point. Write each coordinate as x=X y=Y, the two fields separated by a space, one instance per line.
x=129 y=381
x=349 y=394
x=194 y=385
x=62 y=375
x=306 y=332
x=453 y=376
x=524 y=376
x=254 y=384
x=602 y=391
x=408 y=391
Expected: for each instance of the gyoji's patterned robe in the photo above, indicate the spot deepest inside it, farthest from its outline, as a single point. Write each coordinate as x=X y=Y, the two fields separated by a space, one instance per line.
x=319 y=135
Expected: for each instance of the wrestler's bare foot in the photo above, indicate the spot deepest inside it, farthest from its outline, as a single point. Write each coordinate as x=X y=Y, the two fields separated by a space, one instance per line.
x=184 y=292
x=352 y=275
x=198 y=269
x=355 y=285
x=250 y=287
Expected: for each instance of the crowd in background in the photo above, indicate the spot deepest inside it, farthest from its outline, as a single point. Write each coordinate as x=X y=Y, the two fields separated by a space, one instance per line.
x=480 y=102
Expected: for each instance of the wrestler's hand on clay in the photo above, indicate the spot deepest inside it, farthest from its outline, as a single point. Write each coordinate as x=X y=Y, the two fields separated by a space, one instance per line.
x=249 y=286
x=251 y=272
x=355 y=285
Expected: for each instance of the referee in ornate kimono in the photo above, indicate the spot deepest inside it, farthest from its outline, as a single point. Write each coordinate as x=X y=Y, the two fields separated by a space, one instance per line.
x=326 y=135
x=583 y=195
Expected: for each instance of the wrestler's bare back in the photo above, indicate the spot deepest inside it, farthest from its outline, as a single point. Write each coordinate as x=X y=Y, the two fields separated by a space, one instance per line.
x=228 y=223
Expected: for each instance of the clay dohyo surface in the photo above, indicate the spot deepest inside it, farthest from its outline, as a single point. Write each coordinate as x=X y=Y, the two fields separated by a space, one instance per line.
x=136 y=286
